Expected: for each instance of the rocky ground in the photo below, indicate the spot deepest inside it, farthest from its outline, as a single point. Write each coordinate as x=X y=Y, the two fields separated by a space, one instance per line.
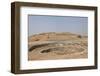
x=50 y=46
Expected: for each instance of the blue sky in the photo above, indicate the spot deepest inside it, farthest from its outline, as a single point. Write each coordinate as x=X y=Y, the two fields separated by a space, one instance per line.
x=40 y=24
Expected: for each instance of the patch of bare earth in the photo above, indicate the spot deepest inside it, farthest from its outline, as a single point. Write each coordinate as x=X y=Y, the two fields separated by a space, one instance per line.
x=50 y=46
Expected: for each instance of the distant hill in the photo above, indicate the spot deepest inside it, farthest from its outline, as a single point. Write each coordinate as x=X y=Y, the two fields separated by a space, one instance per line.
x=54 y=36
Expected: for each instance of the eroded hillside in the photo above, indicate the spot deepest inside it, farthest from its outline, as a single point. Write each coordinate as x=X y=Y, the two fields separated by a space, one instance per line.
x=50 y=46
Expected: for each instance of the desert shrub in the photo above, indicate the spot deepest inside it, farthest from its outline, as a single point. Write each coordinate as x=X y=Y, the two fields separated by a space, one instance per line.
x=79 y=36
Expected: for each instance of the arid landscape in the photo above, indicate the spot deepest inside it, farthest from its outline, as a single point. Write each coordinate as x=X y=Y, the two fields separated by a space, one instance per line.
x=54 y=45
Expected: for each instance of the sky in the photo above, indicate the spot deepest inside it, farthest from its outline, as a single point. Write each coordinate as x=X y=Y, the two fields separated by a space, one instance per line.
x=42 y=23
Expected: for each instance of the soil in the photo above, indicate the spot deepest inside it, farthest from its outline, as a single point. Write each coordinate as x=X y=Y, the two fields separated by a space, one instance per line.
x=52 y=45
